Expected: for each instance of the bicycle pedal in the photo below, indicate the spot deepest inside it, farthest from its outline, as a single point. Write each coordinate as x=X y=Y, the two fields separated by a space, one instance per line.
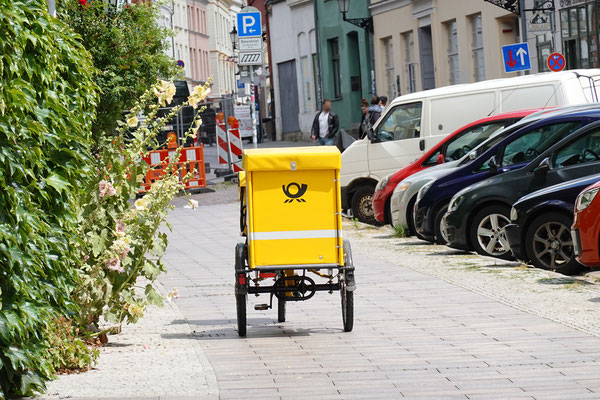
x=261 y=306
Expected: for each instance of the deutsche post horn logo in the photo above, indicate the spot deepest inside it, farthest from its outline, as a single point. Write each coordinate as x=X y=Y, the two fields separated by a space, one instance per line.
x=294 y=194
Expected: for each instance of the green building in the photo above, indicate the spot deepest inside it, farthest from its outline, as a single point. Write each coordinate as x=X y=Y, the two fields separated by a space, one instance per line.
x=344 y=59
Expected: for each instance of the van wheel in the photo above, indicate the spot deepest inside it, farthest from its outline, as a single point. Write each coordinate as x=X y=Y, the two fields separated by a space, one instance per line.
x=362 y=205
x=549 y=245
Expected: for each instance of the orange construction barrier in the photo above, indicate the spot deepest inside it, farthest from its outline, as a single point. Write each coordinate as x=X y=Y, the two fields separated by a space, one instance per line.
x=191 y=160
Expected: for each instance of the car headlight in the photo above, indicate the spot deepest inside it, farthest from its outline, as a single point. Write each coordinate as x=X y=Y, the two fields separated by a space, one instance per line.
x=514 y=214
x=585 y=199
x=455 y=203
x=424 y=190
x=382 y=183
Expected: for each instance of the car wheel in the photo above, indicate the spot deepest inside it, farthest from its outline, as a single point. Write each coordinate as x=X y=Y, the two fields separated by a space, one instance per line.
x=362 y=205
x=549 y=245
x=440 y=234
x=487 y=232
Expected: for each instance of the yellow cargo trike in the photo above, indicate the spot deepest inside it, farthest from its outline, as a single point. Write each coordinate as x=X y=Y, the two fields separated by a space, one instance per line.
x=291 y=217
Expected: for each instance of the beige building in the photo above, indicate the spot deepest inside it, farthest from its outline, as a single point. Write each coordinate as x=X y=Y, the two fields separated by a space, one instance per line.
x=424 y=44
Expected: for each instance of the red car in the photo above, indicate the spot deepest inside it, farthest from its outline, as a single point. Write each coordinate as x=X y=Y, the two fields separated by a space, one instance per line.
x=473 y=133
x=586 y=226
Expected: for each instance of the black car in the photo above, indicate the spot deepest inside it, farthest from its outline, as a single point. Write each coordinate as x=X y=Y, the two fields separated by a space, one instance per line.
x=540 y=228
x=477 y=214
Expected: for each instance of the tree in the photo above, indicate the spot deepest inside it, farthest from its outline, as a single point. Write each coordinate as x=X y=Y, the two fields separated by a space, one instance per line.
x=128 y=48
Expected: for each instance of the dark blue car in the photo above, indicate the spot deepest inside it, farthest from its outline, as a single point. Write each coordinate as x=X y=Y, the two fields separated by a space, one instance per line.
x=508 y=153
x=540 y=228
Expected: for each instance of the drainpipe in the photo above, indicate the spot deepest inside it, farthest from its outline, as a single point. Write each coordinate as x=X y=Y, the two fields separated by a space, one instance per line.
x=319 y=83
x=523 y=24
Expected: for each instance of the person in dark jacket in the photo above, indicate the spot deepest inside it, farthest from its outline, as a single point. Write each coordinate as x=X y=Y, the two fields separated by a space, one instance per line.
x=325 y=125
x=365 y=121
x=375 y=110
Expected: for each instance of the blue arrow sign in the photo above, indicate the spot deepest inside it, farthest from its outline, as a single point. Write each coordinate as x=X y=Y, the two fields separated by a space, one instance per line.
x=516 y=57
x=248 y=24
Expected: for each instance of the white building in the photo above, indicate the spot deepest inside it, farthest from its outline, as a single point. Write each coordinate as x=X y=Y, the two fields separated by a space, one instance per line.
x=181 y=38
x=294 y=57
x=220 y=23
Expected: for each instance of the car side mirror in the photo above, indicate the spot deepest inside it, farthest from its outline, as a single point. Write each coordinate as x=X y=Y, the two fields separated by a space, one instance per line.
x=472 y=155
x=441 y=159
x=543 y=167
x=372 y=136
x=493 y=165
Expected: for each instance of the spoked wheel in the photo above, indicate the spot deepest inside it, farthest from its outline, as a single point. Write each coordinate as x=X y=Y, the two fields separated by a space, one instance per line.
x=347 y=295
x=240 y=303
x=280 y=310
x=487 y=232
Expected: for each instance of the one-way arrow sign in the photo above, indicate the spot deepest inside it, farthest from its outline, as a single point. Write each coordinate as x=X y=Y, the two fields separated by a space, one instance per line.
x=516 y=57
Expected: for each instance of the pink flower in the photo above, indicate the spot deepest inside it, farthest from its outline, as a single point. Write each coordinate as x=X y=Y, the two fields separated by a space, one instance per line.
x=114 y=265
x=121 y=227
x=111 y=190
x=103 y=187
x=125 y=251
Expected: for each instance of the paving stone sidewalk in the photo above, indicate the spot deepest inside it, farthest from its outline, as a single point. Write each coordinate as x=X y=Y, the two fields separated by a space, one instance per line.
x=415 y=335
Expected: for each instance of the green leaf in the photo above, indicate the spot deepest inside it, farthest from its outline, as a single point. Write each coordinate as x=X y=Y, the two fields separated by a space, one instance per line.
x=153 y=296
x=57 y=182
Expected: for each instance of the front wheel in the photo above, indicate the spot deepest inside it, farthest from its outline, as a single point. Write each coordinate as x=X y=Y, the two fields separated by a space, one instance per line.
x=362 y=205
x=440 y=235
x=280 y=310
x=347 y=309
x=549 y=244
x=487 y=232
x=240 y=303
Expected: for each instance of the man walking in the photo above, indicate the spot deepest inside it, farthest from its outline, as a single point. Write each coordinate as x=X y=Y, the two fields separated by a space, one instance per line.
x=325 y=125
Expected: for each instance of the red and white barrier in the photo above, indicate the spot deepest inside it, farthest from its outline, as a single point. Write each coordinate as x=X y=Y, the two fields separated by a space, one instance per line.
x=235 y=145
x=222 y=149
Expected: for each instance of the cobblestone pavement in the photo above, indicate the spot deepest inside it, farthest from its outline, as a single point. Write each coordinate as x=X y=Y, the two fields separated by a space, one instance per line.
x=416 y=335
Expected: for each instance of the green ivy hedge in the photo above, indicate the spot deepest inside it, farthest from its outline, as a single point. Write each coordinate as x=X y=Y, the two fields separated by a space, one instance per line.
x=47 y=102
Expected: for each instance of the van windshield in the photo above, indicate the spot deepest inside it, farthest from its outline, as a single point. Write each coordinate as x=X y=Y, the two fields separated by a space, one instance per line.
x=402 y=122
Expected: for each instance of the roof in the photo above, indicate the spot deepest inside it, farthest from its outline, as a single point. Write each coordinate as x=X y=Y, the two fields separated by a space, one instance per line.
x=292 y=159
x=498 y=83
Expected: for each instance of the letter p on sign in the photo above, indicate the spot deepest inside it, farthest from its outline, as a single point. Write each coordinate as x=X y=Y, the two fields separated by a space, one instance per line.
x=249 y=24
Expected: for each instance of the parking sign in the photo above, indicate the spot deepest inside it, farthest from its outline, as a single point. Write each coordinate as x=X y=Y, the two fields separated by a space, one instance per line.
x=249 y=24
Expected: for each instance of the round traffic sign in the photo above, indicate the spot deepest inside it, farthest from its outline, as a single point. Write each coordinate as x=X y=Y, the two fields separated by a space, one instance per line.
x=556 y=62
x=180 y=63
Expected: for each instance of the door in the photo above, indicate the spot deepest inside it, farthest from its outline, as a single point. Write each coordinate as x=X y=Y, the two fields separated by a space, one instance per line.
x=426 y=54
x=398 y=137
x=288 y=96
x=577 y=159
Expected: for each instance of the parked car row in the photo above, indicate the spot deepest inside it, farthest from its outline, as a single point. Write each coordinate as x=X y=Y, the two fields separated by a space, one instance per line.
x=514 y=190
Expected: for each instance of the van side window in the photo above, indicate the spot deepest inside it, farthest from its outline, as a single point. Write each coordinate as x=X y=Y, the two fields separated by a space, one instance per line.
x=402 y=122
x=582 y=150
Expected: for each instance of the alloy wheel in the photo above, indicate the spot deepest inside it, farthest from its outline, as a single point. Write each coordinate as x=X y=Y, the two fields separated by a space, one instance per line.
x=491 y=236
x=553 y=245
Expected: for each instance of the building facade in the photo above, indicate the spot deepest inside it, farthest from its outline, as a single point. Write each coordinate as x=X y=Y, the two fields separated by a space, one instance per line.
x=220 y=23
x=294 y=57
x=345 y=59
x=181 y=40
x=198 y=71
x=424 y=44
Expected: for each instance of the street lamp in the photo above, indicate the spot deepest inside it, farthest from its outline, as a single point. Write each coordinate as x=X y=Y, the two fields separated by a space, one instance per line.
x=234 y=36
x=365 y=23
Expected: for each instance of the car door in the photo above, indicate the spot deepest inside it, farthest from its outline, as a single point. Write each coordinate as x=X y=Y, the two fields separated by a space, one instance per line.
x=396 y=141
x=578 y=158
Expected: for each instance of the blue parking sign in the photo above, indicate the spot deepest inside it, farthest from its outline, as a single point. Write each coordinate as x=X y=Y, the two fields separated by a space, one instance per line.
x=249 y=24
x=516 y=57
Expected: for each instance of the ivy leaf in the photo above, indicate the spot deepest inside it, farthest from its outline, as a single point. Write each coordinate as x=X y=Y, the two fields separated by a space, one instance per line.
x=57 y=182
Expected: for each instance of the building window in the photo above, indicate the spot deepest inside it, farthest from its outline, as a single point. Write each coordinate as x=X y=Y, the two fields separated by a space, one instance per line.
x=477 y=48
x=544 y=49
x=334 y=50
x=453 y=52
x=409 y=61
x=389 y=67
x=579 y=31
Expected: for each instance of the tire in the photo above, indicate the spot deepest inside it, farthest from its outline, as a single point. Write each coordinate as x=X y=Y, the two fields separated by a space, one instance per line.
x=240 y=303
x=347 y=309
x=549 y=245
x=410 y=218
x=280 y=310
x=494 y=234
x=437 y=224
x=362 y=205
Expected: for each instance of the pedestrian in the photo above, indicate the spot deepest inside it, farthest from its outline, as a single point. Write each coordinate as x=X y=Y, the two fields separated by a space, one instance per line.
x=325 y=125
x=365 y=122
x=383 y=103
x=374 y=110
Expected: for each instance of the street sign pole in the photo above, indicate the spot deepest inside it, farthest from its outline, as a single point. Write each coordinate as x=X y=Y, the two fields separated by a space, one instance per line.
x=254 y=133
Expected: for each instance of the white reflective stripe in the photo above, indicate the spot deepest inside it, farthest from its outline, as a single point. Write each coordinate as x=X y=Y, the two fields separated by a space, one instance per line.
x=281 y=235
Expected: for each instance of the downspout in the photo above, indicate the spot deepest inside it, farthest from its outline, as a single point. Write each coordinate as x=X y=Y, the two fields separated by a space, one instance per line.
x=271 y=66
x=318 y=47
x=172 y=29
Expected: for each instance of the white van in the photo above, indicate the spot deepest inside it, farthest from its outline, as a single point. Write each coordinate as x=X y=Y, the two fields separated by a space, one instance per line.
x=413 y=123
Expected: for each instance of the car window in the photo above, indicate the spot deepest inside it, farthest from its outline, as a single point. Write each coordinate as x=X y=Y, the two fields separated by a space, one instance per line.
x=530 y=145
x=582 y=150
x=494 y=139
x=460 y=145
x=402 y=122
x=432 y=159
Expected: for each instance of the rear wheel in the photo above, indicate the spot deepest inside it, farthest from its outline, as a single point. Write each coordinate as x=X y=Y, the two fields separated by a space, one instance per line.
x=240 y=303
x=347 y=309
x=280 y=310
x=362 y=205
x=487 y=232
x=549 y=245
